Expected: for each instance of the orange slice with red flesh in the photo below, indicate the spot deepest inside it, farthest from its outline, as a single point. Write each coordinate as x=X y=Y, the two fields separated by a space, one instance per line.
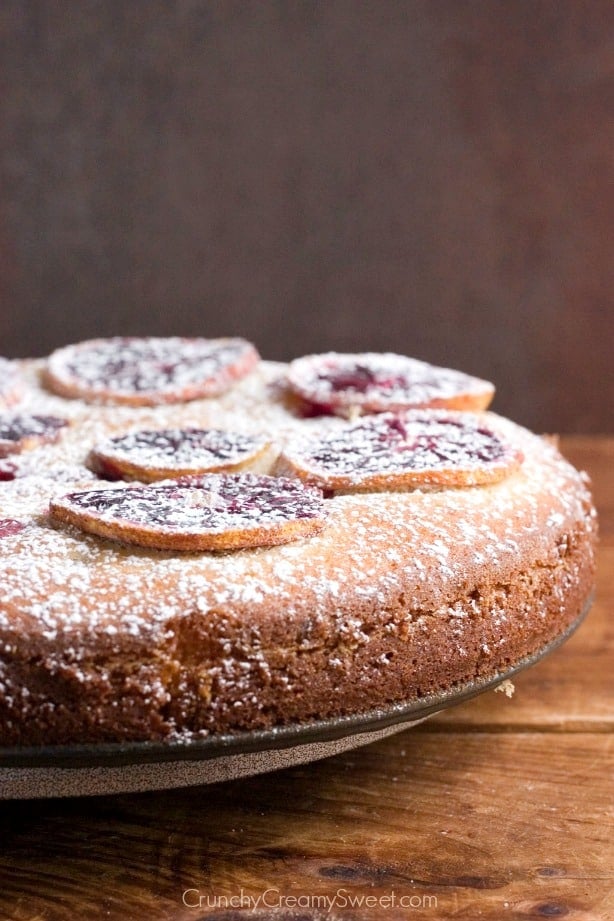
x=158 y=455
x=149 y=371
x=371 y=382
x=210 y=512
x=22 y=432
x=421 y=448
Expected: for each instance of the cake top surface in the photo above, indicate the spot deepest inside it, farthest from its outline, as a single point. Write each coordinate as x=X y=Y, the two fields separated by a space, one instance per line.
x=63 y=585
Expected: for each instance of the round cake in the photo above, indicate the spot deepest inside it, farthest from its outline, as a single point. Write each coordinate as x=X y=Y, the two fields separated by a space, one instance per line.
x=196 y=541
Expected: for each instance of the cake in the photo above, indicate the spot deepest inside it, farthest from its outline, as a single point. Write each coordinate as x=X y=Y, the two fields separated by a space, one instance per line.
x=196 y=541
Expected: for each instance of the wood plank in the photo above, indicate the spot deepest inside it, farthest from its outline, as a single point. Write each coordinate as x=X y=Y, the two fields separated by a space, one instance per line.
x=510 y=826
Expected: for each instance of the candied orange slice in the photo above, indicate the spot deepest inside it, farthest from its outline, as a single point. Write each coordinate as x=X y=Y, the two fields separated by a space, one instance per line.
x=158 y=455
x=433 y=448
x=149 y=371
x=209 y=512
x=372 y=382
x=22 y=432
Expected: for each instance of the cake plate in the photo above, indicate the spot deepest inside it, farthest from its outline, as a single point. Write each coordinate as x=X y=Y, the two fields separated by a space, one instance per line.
x=102 y=769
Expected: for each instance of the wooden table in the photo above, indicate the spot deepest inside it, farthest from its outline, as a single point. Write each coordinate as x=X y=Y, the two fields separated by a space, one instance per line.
x=499 y=809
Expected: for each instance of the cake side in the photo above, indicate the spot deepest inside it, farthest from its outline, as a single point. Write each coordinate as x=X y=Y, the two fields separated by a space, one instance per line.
x=356 y=618
x=222 y=672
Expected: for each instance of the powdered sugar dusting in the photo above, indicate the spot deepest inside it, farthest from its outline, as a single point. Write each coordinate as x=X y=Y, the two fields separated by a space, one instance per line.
x=373 y=546
x=70 y=597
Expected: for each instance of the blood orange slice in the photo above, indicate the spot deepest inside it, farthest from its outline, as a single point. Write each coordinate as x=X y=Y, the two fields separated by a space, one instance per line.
x=23 y=432
x=149 y=371
x=210 y=512
x=374 y=382
x=434 y=448
x=158 y=455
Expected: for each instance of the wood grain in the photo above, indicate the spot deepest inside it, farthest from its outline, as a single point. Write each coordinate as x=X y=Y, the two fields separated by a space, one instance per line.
x=496 y=824
x=501 y=809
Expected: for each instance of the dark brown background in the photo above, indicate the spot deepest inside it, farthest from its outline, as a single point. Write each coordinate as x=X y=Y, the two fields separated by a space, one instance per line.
x=428 y=177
